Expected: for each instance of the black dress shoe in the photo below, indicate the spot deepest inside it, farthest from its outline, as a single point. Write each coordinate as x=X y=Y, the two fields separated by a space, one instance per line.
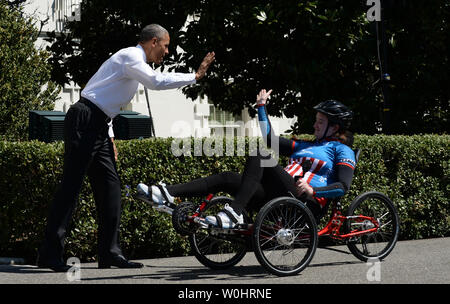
x=120 y=262
x=55 y=266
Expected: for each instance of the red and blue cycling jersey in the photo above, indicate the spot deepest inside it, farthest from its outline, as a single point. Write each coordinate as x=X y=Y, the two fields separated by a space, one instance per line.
x=331 y=162
x=325 y=157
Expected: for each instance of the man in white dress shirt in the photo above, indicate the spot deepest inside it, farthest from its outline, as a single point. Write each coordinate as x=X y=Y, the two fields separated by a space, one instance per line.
x=89 y=145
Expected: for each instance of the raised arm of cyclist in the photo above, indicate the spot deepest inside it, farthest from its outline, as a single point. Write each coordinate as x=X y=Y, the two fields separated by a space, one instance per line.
x=286 y=146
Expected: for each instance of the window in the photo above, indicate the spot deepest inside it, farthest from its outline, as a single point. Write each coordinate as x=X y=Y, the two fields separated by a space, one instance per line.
x=66 y=10
x=224 y=123
x=221 y=117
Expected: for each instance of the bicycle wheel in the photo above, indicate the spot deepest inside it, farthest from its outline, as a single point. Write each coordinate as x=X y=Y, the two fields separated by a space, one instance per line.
x=380 y=243
x=285 y=236
x=217 y=251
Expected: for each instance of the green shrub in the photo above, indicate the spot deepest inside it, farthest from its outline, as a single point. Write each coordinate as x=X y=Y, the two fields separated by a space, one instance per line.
x=24 y=73
x=412 y=170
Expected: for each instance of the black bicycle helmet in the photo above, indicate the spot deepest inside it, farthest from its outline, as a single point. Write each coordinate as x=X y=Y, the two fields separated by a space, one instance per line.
x=336 y=112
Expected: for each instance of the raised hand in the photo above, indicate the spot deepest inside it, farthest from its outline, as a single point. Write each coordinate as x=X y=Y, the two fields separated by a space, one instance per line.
x=209 y=58
x=261 y=99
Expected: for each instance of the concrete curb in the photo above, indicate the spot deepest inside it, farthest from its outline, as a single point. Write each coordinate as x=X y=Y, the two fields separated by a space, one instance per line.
x=11 y=261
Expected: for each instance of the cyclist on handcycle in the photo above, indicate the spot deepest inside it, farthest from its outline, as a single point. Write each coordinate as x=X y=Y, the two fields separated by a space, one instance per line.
x=328 y=162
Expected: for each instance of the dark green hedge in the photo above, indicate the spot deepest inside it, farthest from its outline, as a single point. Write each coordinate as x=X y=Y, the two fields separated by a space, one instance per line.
x=412 y=170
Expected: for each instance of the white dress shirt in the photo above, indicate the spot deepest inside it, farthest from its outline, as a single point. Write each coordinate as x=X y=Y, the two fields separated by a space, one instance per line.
x=117 y=80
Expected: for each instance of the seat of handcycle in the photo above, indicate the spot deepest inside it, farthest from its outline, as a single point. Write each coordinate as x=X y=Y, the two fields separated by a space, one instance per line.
x=336 y=200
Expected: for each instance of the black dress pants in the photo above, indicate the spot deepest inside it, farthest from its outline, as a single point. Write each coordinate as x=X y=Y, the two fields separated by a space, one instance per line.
x=88 y=150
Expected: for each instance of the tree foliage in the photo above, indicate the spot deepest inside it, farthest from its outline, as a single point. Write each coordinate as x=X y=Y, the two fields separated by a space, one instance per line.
x=306 y=51
x=419 y=60
x=24 y=74
x=107 y=26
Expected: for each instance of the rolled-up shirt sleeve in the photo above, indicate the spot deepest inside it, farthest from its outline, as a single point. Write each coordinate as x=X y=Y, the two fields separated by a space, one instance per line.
x=110 y=129
x=142 y=72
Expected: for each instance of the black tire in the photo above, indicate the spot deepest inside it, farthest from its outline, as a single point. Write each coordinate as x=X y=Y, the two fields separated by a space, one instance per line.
x=285 y=226
x=216 y=251
x=379 y=244
x=179 y=218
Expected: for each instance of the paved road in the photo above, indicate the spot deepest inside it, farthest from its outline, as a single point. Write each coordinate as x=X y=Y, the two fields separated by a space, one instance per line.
x=420 y=261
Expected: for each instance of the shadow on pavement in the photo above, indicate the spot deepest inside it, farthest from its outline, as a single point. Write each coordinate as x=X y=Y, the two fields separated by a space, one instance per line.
x=23 y=269
x=167 y=273
x=180 y=273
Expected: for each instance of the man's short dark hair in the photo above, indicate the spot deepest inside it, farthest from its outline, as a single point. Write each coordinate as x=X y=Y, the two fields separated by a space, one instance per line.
x=152 y=30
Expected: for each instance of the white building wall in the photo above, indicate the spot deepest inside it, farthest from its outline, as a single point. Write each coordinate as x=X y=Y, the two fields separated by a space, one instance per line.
x=168 y=108
x=173 y=114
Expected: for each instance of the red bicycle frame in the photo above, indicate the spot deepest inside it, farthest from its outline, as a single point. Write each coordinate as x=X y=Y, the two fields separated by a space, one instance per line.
x=334 y=225
x=332 y=228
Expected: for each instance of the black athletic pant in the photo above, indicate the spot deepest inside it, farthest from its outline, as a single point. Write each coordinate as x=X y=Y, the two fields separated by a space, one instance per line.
x=251 y=190
x=88 y=150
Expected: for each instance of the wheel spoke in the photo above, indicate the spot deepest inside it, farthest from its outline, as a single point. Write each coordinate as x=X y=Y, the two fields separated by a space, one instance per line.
x=217 y=252
x=284 y=244
x=380 y=242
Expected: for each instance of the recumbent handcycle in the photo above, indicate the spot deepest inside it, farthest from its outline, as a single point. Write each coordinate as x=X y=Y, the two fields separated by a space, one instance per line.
x=283 y=234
